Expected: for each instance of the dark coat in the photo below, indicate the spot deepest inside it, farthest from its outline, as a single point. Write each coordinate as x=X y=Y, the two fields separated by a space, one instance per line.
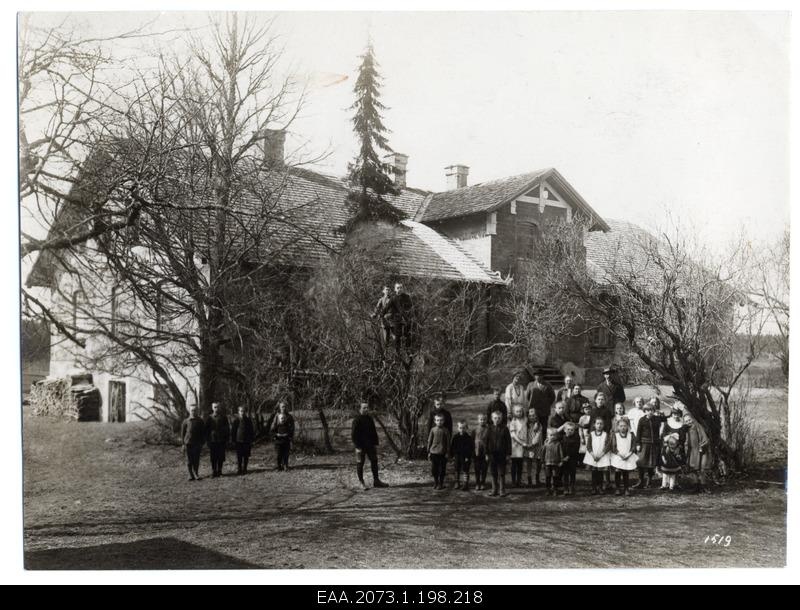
x=497 y=405
x=289 y=422
x=193 y=431
x=563 y=394
x=556 y=421
x=647 y=431
x=498 y=440
x=614 y=392
x=541 y=398
x=606 y=414
x=448 y=419
x=363 y=432
x=672 y=460
x=572 y=446
x=461 y=445
x=242 y=429
x=574 y=407
x=283 y=432
x=217 y=429
x=400 y=309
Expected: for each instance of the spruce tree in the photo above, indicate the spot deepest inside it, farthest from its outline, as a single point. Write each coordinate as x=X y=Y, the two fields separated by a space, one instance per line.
x=368 y=175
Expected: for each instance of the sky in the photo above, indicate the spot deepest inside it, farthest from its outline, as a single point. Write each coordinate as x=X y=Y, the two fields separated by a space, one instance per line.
x=646 y=114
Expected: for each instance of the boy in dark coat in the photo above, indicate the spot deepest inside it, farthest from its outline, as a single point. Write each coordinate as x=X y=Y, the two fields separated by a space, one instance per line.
x=559 y=418
x=438 y=409
x=648 y=446
x=461 y=450
x=365 y=439
x=479 y=438
x=497 y=404
x=283 y=434
x=243 y=432
x=438 y=448
x=381 y=309
x=193 y=435
x=498 y=447
x=571 y=443
x=218 y=433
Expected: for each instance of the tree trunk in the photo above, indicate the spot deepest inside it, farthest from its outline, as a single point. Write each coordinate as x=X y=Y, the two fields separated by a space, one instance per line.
x=326 y=432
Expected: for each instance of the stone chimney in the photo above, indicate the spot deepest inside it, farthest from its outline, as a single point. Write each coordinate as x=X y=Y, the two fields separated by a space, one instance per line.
x=399 y=163
x=274 y=140
x=456 y=176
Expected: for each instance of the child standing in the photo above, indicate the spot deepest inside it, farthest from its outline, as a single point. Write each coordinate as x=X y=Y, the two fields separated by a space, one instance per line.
x=438 y=446
x=572 y=445
x=623 y=456
x=534 y=448
x=553 y=460
x=598 y=446
x=242 y=432
x=193 y=435
x=284 y=433
x=647 y=446
x=498 y=447
x=479 y=456
x=619 y=414
x=673 y=459
x=583 y=426
x=518 y=428
x=461 y=450
x=497 y=404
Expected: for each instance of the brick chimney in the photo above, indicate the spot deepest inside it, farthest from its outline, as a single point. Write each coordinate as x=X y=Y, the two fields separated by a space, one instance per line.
x=274 y=140
x=456 y=176
x=399 y=163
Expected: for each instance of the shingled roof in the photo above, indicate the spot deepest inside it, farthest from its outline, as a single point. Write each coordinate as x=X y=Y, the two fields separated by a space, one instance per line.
x=489 y=196
x=312 y=209
x=620 y=252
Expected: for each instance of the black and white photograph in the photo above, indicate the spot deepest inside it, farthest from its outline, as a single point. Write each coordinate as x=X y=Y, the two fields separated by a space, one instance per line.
x=392 y=290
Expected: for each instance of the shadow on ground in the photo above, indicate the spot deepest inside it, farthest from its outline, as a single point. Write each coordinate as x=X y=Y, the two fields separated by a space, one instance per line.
x=150 y=554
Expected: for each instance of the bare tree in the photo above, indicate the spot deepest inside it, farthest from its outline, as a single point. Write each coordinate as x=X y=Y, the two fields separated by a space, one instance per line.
x=682 y=312
x=771 y=291
x=168 y=295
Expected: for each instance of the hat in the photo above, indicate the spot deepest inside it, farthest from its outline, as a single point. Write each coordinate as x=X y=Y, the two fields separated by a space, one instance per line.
x=676 y=409
x=608 y=371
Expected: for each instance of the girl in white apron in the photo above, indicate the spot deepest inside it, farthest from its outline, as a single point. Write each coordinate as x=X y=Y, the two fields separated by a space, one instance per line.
x=623 y=455
x=598 y=454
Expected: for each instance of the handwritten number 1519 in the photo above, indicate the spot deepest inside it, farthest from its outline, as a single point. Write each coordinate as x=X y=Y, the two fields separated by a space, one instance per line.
x=724 y=541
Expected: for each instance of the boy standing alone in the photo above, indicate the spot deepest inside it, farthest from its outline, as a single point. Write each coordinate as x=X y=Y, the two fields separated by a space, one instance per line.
x=365 y=440
x=438 y=446
x=192 y=437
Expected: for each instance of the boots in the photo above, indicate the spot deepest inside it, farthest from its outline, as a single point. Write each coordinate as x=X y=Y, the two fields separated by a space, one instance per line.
x=495 y=486
x=466 y=483
x=503 y=491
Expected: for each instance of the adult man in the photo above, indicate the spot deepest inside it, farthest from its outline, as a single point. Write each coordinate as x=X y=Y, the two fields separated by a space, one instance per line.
x=540 y=396
x=611 y=388
x=566 y=392
x=574 y=405
x=192 y=438
x=438 y=409
x=400 y=316
x=217 y=434
x=365 y=440
x=381 y=308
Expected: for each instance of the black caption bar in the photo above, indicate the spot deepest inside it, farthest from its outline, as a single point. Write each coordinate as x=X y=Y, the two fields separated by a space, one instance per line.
x=394 y=595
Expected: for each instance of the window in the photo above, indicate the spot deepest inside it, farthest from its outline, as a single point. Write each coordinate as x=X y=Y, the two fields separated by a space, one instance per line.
x=527 y=234
x=78 y=300
x=600 y=338
x=160 y=303
x=115 y=290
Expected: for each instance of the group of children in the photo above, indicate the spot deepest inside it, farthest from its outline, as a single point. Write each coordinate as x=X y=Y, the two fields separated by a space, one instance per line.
x=603 y=441
x=217 y=431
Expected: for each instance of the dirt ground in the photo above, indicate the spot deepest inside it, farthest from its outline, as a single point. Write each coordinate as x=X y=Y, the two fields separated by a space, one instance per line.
x=96 y=496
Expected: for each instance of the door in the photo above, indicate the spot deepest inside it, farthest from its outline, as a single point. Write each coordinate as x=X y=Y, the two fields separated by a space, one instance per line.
x=116 y=401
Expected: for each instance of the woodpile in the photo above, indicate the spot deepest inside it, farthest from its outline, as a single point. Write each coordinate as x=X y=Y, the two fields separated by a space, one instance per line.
x=74 y=398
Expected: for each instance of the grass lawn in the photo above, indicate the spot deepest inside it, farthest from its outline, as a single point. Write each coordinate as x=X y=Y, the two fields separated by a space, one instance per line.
x=96 y=496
